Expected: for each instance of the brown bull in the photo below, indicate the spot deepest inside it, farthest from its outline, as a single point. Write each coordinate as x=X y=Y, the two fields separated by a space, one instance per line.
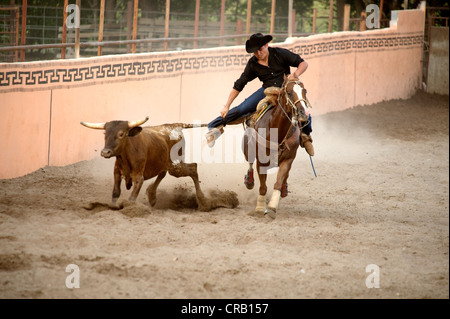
x=143 y=153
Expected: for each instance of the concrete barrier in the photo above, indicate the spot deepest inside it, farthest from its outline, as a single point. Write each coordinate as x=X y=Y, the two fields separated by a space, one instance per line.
x=42 y=103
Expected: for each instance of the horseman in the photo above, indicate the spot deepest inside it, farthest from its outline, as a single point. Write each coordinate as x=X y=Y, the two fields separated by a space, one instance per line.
x=269 y=65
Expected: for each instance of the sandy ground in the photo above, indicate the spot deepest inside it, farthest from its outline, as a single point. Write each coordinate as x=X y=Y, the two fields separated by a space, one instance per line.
x=381 y=197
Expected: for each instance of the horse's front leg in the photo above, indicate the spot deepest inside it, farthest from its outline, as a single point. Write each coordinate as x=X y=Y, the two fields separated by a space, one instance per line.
x=283 y=172
x=249 y=180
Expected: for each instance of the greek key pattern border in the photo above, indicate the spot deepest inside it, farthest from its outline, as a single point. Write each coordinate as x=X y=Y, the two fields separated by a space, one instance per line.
x=11 y=80
x=345 y=45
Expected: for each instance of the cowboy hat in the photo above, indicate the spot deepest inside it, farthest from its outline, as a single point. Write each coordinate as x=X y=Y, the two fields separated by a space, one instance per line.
x=256 y=41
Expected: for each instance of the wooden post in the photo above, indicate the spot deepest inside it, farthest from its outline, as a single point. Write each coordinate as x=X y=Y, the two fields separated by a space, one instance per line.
x=135 y=18
x=294 y=29
x=77 y=33
x=166 y=26
x=238 y=31
x=11 y=24
x=129 y=23
x=272 y=17
x=222 y=21
x=362 y=22
x=12 y=33
x=249 y=16
x=314 y=21
x=23 y=34
x=330 y=18
x=100 y=27
x=346 y=17
x=64 y=29
x=290 y=19
x=381 y=11
x=197 y=17
x=16 y=53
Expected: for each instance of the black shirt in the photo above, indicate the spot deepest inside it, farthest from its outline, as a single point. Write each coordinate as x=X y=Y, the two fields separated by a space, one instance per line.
x=280 y=61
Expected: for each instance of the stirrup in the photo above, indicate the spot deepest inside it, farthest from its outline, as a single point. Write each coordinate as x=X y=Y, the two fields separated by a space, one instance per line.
x=306 y=143
x=213 y=135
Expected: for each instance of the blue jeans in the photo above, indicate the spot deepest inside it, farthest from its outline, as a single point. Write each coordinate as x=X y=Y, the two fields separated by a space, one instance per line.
x=246 y=108
x=307 y=129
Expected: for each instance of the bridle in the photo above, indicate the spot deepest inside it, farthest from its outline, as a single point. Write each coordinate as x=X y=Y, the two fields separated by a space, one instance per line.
x=294 y=119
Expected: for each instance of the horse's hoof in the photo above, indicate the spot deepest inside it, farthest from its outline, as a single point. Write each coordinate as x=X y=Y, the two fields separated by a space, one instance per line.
x=249 y=186
x=270 y=213
x=249 y=181
x=259 y=213
x=256 y=214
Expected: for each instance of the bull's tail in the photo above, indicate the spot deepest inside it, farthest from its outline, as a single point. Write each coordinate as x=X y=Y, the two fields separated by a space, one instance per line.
x=174 y=126
x=185 y=125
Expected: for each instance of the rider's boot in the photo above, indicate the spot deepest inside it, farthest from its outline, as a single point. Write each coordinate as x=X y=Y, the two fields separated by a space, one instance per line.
x=213 y=134
x=306 y=143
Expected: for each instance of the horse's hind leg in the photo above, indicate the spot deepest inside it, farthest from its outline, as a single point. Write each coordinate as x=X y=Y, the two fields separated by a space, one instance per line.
x=249 y=149
x=181 y=170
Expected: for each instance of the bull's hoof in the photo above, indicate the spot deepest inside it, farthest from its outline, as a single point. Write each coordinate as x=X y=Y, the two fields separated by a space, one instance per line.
x=270 y=213
x=98 y=207
x=249 y=180
x=128 y=184
x=152 y=200
x=151 y=196
x=205 y=207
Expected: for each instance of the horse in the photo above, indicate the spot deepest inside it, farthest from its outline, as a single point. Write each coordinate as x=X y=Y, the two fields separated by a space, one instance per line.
x=277 y=132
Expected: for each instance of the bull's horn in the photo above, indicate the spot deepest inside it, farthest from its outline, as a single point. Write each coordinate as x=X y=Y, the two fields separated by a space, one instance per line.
x=137 y=123
x=98 y=126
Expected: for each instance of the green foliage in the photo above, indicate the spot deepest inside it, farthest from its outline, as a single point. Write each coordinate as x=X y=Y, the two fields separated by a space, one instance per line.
x=45 y=17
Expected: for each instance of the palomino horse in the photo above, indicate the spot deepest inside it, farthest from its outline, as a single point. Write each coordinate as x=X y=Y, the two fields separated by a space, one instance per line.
x=275 y=132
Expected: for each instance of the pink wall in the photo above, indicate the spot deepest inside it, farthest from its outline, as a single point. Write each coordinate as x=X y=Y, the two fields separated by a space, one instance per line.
x=42 y=103
x=24 y=124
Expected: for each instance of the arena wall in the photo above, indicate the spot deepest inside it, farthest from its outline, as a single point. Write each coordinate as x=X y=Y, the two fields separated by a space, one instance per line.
x=438 y=64
x=42 y=103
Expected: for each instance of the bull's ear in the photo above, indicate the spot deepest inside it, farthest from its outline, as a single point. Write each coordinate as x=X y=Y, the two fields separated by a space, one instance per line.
x=135 y=131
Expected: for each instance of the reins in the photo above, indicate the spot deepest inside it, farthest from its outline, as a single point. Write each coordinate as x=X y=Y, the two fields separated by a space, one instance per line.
x=293 y=105
x=293 y=123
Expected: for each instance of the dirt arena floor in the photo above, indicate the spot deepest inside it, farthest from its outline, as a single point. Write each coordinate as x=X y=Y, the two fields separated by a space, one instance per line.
x=380 y=198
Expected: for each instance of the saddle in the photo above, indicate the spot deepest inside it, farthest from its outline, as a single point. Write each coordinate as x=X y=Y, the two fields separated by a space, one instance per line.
x=263 y=106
